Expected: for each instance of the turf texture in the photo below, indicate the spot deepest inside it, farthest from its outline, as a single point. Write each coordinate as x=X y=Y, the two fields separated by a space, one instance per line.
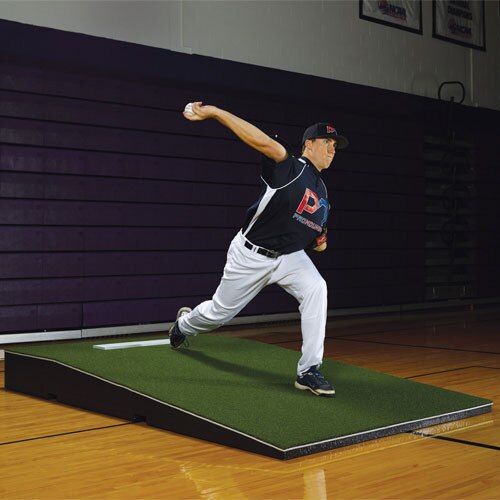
x=248 y=386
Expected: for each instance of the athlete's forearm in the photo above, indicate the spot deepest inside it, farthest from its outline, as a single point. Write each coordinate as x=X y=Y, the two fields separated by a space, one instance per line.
x=251 y=135
x=247 y=132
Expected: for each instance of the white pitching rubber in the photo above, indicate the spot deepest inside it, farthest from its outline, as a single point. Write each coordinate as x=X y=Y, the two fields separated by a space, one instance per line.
x=127 y=345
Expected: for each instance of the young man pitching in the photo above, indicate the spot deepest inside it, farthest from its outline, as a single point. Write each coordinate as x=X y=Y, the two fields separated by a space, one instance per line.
x=289 y=216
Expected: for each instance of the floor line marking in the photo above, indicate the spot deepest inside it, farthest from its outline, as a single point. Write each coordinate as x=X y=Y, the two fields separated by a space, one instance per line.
x=455 y=440
x=408 y=328
x=72 y=432
x=412 y=345
x=452 y=370
x=386 y=343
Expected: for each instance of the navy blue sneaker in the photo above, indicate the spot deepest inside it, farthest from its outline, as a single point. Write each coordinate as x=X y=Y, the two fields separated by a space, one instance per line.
x=177 y=338
x=313 y=381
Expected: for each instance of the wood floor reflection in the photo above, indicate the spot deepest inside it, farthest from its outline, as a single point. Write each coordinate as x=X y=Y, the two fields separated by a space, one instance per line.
x=49 y=450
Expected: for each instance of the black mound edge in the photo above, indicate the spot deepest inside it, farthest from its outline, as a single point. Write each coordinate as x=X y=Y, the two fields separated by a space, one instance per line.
x=51 y=379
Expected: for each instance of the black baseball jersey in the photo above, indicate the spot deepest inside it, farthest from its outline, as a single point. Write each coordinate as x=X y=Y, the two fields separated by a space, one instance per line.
x=292 y=209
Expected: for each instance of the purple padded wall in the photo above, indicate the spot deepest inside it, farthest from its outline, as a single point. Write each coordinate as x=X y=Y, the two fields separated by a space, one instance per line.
x=115 y=210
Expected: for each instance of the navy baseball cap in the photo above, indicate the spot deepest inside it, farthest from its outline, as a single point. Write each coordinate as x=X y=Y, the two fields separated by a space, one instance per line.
x=321 y=130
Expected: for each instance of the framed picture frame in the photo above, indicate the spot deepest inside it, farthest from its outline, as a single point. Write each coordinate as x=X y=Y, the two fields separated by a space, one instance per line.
x=402 y=14
x=459 y=22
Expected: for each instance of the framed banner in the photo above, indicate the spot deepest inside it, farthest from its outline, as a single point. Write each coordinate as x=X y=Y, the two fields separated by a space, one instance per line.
x=402 y=14
x=459 y=21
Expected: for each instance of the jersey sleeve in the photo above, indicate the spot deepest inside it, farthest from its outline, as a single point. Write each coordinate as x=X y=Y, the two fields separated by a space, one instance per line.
x=277 y=175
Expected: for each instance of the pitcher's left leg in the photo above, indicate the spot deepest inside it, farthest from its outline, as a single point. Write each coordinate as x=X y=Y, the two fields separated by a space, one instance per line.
x=313 y=311
x=298 y=276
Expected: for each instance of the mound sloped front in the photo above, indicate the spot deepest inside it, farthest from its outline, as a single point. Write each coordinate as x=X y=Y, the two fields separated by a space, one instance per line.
x=235 y=392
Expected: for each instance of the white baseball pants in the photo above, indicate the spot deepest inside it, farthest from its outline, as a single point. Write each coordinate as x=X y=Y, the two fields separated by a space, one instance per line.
x=246 y=273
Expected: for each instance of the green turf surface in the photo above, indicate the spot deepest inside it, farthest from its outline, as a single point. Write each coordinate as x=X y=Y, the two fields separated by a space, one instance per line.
x=248 y=386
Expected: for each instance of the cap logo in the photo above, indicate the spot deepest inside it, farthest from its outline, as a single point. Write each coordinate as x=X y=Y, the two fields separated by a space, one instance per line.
x=330 y=130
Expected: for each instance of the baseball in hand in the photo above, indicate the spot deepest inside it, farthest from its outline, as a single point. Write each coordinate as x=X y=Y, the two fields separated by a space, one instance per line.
x=189 y=108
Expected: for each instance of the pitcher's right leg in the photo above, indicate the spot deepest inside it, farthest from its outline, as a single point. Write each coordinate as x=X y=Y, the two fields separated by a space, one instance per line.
x=245 y=274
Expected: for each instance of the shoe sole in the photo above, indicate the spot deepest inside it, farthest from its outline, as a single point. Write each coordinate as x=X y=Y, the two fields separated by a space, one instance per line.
x=181 y=312
x=316 y=392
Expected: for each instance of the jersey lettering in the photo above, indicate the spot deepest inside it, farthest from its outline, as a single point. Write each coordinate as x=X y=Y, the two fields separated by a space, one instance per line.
x=304 y=204
x=316 y=205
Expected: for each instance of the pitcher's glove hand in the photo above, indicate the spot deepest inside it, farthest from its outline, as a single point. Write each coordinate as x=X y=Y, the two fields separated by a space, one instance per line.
x=322 y=238
x=319 y=243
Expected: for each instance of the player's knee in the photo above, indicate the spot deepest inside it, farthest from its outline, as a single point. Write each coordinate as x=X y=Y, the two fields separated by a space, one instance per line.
x=222 y=313
x=322 y=287
x=318 y=289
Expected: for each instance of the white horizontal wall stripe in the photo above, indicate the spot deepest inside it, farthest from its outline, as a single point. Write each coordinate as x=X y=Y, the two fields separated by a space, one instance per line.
x=17 y=338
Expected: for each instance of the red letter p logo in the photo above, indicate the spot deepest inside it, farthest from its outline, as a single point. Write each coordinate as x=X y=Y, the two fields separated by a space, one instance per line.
x=304 y=204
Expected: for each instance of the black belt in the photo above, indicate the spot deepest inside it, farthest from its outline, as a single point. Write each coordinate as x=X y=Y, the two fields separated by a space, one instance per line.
x=263 y=251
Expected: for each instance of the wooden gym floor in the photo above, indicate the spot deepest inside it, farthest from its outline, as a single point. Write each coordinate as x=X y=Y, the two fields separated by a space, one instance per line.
x=48 y=450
